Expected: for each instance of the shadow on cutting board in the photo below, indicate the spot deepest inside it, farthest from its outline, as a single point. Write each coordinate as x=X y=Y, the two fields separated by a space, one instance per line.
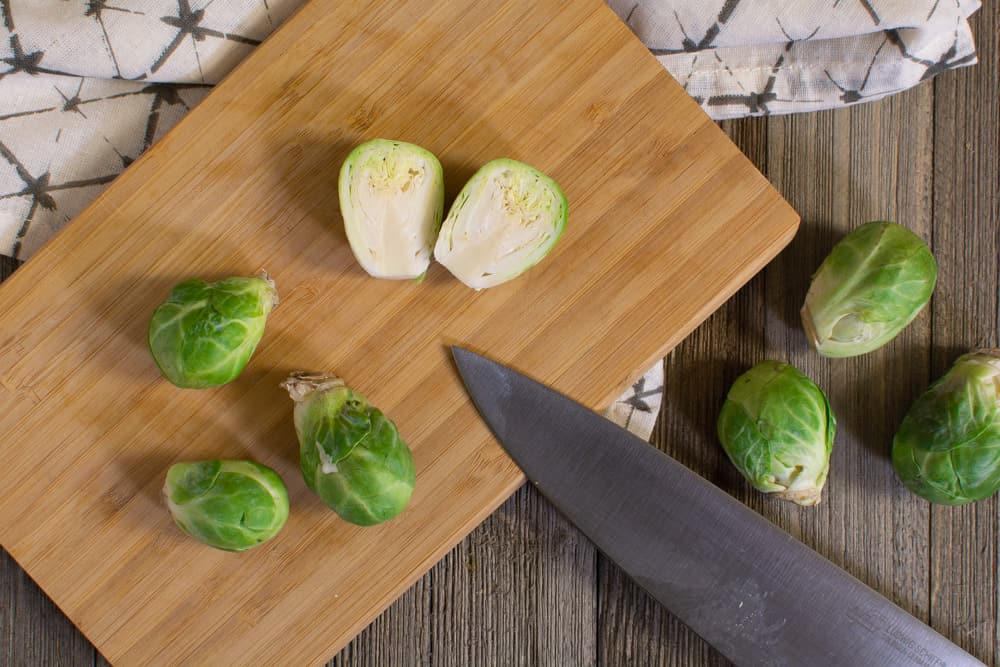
x=124 y=304
x=276 y=444
x=306 y=167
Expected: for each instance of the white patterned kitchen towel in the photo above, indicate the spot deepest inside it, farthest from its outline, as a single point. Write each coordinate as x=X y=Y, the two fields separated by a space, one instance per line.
x=88 y=85
x=756 y=57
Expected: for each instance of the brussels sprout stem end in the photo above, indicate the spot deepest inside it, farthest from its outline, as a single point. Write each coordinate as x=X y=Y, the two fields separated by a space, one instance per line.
x=274 y=288
x=300 y=384
x=804 y=497
x=807 y=325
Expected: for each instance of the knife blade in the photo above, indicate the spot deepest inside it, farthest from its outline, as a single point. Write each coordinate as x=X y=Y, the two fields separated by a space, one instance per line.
x=748 y=588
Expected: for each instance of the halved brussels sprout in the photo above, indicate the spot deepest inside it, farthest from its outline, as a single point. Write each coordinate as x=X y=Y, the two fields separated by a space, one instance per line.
x=503 y=222
x=391 y=199
x=204 y=333
x=229 y=505
x=872 y=284
x=947 y=450
x=777 y=428
x=351 y=454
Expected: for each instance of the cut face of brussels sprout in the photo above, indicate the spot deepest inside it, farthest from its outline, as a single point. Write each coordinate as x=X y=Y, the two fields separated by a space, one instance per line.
x=503 y=222
x=229 y=505
x=873 y=283
x=391 y=199
x=351 y=454
x=204 y=333
x=777 y=428
x=947 y=450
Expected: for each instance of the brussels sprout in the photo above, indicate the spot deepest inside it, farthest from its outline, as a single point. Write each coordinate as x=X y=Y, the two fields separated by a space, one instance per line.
x=229 y=505
x=351 y=454
x=503 y=222
x=392 y=199
x=872 y=284
x=777 y=428
x=204 y=333
x=947 y=450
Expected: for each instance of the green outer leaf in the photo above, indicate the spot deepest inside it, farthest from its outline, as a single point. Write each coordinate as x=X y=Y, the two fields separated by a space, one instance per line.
x=947 y=449
x=204 y=333
x=531 y=192
x=777 y=428
x=386 y=158
x=873 y=283
x=351 y=455
x=229 y=505
x=188 y=481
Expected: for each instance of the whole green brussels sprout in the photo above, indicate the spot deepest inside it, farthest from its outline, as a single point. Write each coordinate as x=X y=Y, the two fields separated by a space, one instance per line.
x=204 y=333
x=503 y=222
x=947 y=450
x=229 y=505
x=351 y=454
x=777 y=428
x=872 y=284
x=392 y=200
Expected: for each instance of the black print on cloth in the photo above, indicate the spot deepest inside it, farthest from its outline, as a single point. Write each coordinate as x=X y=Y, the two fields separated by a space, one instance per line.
x=8 y=22
x=19 y=61
x=188 y=23
x=688 y=44
x=40 y=190
x=849 y=95
x=948 y=60
x=639 y=397
x=95 y=9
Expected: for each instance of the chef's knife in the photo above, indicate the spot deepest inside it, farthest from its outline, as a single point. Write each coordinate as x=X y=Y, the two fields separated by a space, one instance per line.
x=748 y=588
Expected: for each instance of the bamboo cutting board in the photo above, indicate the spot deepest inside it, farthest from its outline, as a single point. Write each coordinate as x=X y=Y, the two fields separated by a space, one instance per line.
x=667 y=219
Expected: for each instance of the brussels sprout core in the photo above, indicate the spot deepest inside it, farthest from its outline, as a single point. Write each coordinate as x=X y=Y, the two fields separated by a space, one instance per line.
x=777 y=428
x=351 y=454
x=229 y=505
x=391 y=199
x=503 y=222
x=872 y=284
x=204 y=333
x=947 y=450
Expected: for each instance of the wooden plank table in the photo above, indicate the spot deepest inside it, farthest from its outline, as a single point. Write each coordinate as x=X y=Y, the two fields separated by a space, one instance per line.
x=527 y=589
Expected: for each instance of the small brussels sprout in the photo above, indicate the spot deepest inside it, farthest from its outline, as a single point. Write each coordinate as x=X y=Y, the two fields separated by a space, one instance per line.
x=392 y=199
x=872 y=284
x=947 y=450
x=503 y=222
x=351 y=454
x=204 y=333
x=229 y=505
x=777 y=428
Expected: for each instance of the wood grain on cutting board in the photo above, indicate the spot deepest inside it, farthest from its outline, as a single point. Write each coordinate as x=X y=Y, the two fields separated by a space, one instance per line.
x=667 y=219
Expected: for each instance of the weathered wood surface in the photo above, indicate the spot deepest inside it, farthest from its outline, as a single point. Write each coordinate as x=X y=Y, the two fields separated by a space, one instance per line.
x=526 y=589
